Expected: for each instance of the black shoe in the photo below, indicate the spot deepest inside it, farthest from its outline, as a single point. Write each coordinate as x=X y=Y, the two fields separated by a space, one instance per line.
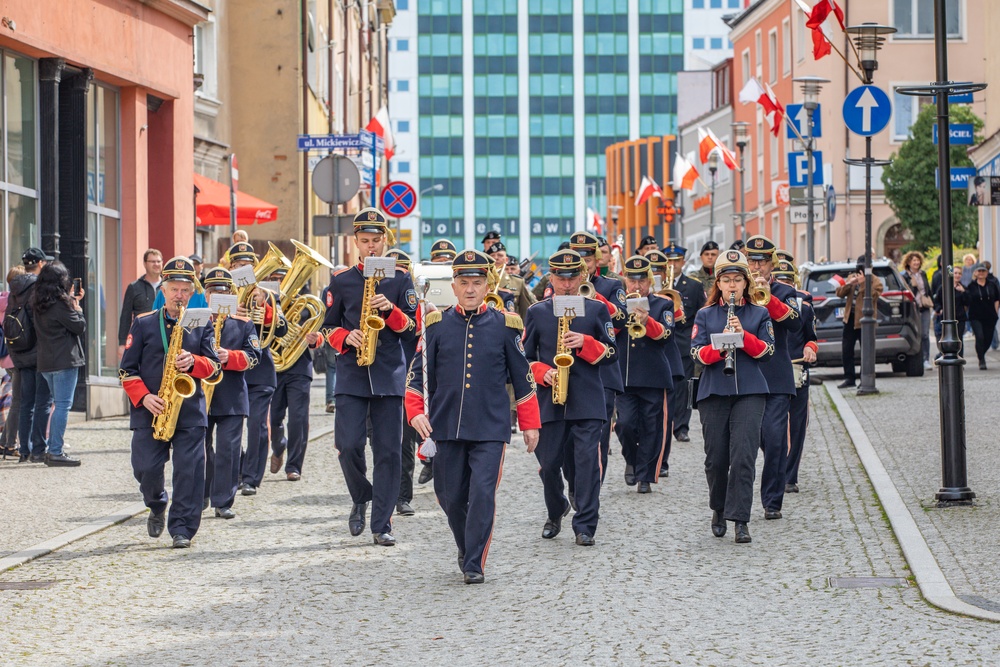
x=846 y=384
x=572 y=500
x=584 y=540
x=249 y=490
x=403 y=508
x=205 y=505
x=742 y=533
x=23 y=458
x=982 y=365
x=181 y=542
x=155 y=523
x=426 y=474
x=356 y=522
x=461 y=561
x=629 y=475
x=37 y=459
x=718 y=525
x=474 y=578
x=772 y=514
x=644 y=487
x=384 y=539
x=61 y=461
x=553 y=526
x=682 y=436
x=664 y=472
x=791 y=488
x=225 y=513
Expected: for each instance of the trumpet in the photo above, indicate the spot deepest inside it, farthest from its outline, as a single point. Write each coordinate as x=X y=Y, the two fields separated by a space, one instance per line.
x=730 y=366
x=587 y=289
x=759 y=294
x=635 y=330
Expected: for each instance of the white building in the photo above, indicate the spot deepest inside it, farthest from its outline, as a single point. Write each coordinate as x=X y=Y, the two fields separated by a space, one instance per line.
x=706 y=36
x=403 y=106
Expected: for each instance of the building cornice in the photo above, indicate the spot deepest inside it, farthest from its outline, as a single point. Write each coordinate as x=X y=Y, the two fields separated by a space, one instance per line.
x=986 y=150
x=741 y=23
x=187 y=12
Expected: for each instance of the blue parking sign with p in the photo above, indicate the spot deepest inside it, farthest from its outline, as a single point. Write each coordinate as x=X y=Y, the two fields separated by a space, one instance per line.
x=798 y=169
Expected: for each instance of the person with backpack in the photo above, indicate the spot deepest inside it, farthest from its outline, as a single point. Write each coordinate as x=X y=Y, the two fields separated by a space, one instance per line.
x=8 y=443
x=19 y=333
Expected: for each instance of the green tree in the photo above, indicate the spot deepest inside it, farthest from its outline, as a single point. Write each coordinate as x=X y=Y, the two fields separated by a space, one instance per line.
x=909 y=183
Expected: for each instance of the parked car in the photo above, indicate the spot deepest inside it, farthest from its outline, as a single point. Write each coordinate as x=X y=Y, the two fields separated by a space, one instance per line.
x=897 y=334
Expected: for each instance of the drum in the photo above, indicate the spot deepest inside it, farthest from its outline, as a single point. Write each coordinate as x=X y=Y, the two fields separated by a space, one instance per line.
x=800 y=374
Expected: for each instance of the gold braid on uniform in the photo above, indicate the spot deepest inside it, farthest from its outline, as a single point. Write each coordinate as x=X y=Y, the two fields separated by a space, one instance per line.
x=513 y=320
x=432 y=317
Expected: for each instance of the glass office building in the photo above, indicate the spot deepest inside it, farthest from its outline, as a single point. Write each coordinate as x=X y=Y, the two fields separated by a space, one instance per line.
x=518 y=100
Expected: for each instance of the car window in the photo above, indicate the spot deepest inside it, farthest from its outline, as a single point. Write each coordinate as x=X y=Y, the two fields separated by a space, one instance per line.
x=825 y=282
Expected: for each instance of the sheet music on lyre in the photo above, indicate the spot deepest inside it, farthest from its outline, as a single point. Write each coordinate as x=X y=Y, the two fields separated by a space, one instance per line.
x=640 y=302
x=195 y=318
x=722 y=341
x=568 y=305
x=243 y=276
x=270 y=285
x=225 y=304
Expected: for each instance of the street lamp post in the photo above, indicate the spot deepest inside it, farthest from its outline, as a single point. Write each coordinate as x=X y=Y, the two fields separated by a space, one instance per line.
x=741 y=135
x=713 y=166
x=951 y=394
x=419 y=245
x=811 y=86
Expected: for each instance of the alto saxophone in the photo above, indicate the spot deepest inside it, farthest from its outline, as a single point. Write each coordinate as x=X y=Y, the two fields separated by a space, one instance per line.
x=563 y=360
x=174 y=387
x=371 y=323
x=220 y=320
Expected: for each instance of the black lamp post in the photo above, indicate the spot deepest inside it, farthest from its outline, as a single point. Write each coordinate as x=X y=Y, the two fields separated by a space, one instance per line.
x=811 y=86
x=713 y=167
x=951 y=393
x=741 y=135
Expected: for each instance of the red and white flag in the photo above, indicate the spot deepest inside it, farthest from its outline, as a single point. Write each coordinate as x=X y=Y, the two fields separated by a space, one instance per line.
x=647 y=188
x=708 y=142
x=773 y=110
x=685 y=173
x=594 y=222
x=380 y=127
x=815 y=18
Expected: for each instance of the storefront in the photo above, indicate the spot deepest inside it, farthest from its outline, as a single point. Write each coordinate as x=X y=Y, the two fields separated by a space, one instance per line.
x=96 y=146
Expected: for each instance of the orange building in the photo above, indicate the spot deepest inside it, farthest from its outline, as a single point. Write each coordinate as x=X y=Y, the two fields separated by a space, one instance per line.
x=626 y=164
x=98 y=159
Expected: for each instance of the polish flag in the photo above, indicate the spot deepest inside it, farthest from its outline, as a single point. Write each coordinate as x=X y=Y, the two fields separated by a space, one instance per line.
x=707 y=142
x=380 y=127
x=816 y=17
x=594 y=222
x=773 y=110
x=647 y=188
x=685 y=173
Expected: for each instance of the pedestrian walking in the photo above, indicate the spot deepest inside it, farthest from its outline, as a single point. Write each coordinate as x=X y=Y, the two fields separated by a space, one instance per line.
x=59 y=328
x=961 y=307
x=8 y=443
x=916 y=280
x=732 y=391
x=983 y=298
x=853 y=293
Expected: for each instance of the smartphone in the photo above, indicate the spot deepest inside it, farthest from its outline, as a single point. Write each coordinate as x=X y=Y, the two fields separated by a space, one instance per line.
x=77 y=286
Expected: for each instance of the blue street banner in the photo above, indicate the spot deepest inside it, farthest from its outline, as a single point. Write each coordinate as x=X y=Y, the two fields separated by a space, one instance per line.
x=959 y=134
x=959 y=177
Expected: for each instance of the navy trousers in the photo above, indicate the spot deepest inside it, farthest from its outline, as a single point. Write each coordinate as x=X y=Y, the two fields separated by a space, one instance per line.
x=798 y=421
x=731 y=429
x=149 y=457
x=222 y=461
x=580 y=439
x=350 y=432
x=680 y=413
x=36 y=404
x=255 y=461
x=774 y=442
x=640 y=428
x=610 y=398
x=668 y=428
x=466 y=477
x=408 y=462
x=292 y=397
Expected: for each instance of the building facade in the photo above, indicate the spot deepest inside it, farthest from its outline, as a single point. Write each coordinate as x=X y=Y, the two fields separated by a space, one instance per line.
x=706 y=35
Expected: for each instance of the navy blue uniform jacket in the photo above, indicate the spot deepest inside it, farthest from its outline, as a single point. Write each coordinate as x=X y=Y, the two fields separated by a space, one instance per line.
x=386 y=376
x=758 y=347
x=470 y=357
x=240 y=338
x=798 y=340
x=586 y=389
x=783 y=309
x=141 y=368
x=644 y=361
x=614 y=294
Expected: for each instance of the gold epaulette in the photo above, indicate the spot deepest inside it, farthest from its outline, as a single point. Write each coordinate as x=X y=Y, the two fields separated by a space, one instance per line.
x=432 y=317
x=513 y=320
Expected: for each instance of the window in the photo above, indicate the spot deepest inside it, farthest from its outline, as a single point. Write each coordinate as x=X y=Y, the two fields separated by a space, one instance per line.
x=402 y=5
x=18 y=166
x=402 y=126
x=734 y=4
x=698 y=43
x=402 y=45
x=915 y=18
x=905 y=110
x=205 y=58
x=800 y=35
x=775 y=157
x=716 y=4
x=716 y=43
x=746 y=66
x=772 y=56
x=402 y=85
x=758 y=56
x=786 y=48
x=402 y=167
x=697 y=4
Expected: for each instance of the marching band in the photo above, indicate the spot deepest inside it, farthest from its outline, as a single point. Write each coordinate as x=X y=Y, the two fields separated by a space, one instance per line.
x=610 y=345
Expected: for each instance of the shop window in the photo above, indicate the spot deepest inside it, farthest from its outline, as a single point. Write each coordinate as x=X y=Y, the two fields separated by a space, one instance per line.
x=18 y=168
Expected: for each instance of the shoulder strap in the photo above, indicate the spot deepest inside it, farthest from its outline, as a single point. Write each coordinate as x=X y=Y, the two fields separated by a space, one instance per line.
x=513 y=320
x=432 y=317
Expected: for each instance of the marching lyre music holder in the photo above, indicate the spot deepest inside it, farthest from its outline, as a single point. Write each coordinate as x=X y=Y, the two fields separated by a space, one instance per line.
x=568 y=305
x=379 y=267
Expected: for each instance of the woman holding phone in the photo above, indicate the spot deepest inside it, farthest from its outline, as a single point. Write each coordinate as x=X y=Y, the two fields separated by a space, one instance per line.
x=59 y=327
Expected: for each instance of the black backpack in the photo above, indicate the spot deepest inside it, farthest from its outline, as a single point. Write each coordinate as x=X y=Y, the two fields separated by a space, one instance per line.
x=18 y=329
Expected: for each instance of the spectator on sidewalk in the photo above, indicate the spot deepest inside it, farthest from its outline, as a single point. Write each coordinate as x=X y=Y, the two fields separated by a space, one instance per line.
x=34 y=392
x=199 y=267
x=961 y=308
x=916 y=280
x=853 y=293
x=984 y=306
x=8 y=443
x=59 y=327
x=140 y=295
x=968 y=262
x=992 y=278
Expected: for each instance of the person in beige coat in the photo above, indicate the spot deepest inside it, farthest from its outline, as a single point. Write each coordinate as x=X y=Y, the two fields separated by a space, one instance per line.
x=853 y=293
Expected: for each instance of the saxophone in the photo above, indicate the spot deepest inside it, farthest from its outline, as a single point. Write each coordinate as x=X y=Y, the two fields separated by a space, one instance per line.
x=563 y=360
x=174 y=387
x=371 y=323
x=220 y=320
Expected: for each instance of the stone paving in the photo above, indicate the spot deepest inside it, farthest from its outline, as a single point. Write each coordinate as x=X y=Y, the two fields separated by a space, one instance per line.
x=284 y=582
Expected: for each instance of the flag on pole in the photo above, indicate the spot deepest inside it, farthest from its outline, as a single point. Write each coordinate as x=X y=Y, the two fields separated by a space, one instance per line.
x=815 y=19
x=380 y=127
x=594 y=222
x=647 y=188
x=708 y=142
x=685 y=174
x=773 y=110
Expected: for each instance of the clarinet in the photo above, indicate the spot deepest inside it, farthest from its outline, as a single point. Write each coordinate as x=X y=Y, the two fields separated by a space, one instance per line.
x=730 y=364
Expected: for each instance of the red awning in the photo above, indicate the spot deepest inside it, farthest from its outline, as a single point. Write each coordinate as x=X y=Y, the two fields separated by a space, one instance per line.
x=213 y=205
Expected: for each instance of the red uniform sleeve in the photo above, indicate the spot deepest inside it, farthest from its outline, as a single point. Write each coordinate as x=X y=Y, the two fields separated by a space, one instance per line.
x=268 y=313
x=336 y=339
x=709 y=355
x=538 y=370
x=654 y=329
x=136 y=390
x=777 y=309
x=414 y=403
x=528 y=416
x=203 y=367
x=612 y=309
x=592 y=351
x=812 y=346
x=397 y=320
x=238 y=361
x=752 y=345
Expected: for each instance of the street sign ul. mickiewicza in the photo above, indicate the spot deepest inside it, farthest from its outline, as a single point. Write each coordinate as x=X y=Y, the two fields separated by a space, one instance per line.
x=867 y=110
x=798 y=166
x=797 y=115
x=959 y=134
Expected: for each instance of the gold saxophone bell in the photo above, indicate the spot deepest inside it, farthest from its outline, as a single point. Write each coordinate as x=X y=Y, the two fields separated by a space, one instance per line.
x=759 y=294
x=635 y=330
x=587 y=289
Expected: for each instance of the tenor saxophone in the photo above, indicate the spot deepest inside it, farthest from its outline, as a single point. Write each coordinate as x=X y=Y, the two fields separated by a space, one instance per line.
x=174 y=387
x=563 y=360
x=371 y=323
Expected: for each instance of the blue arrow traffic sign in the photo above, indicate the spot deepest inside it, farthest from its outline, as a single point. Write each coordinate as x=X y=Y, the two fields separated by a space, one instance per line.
x=867 y=110
x=798 y=116
x=959 y=134
x=797 y=169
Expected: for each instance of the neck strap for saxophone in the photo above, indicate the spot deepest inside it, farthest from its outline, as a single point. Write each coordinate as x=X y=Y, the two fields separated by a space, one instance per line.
x=163 y=329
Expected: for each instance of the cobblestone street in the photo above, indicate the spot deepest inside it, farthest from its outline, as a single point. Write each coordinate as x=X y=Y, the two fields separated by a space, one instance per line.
x=284 y=583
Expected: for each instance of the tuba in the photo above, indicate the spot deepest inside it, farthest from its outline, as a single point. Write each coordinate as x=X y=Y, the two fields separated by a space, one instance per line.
x=635 y=330
x=672 y=294
x=759 y=294
x=220 y=321
x=563 y=360
x=273 y=260
x=174 y=387
x=371 y=322
x=287 y=349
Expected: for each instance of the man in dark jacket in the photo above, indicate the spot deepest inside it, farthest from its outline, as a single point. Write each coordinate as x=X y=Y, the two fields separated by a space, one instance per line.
x=36 y=401
x=139 y=296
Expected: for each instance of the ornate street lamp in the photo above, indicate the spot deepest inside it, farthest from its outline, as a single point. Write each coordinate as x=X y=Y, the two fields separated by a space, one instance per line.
x=741 y=135
x=713 y=166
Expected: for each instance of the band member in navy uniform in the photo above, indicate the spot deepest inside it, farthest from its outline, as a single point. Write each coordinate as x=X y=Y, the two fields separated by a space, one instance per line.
x=291 y=397
x=261 y=379
x=573 y=427
x=782 y=305
x=471 y=352
x=443 y=251
x=375 y=390
x=647 y=376
x=238 y=351
x=410 y=437
x=732 y=391
x=141 y=373
x=520 y=298
x=802 y=348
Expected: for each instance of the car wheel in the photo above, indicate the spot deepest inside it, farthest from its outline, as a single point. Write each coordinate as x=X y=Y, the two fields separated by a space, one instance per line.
x=898 y=366
x=914 y=365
